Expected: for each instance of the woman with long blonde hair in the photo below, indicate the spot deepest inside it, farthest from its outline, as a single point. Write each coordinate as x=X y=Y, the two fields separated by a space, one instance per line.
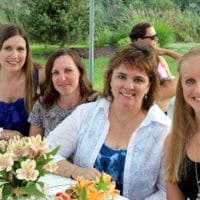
x=182 y=147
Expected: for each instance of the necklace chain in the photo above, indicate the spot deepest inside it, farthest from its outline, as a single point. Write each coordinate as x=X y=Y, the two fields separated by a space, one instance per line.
x=123 y=124
x=196 y=174
x=198 y=181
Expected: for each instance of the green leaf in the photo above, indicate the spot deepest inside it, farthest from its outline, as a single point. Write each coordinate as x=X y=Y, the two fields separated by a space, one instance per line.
x=54 y=151
x=35 y=189
x=6 y=191
x=83 y=194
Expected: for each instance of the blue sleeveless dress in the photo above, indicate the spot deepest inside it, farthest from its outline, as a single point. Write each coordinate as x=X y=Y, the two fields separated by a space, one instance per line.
x=14 y=116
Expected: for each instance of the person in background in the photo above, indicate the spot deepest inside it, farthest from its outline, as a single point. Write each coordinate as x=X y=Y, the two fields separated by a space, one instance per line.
x=182 y=146
x=39 y=77
x=66 y=87
x=121 y=133
x=17 y=89
x=146 y=32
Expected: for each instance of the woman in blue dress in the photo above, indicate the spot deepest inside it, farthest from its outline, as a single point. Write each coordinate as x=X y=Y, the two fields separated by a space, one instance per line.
x=17 y=81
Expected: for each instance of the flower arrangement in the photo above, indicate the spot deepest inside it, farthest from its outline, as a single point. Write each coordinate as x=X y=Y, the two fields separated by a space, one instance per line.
x=100 y=189
x=22 y=162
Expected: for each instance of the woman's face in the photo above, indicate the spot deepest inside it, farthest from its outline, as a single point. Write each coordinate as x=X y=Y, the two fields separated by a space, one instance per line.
x=190 y=80
x=150 y=36
x=129 y=85
x=13 y=53
x=65 y=76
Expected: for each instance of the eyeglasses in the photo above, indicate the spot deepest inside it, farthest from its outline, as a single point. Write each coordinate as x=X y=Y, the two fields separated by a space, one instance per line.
x=153 y=37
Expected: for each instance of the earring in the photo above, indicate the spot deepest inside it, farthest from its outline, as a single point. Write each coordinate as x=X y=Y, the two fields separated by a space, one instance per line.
x=145 y=96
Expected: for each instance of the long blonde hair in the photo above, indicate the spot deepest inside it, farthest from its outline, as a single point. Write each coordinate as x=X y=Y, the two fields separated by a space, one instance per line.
x=183 y=128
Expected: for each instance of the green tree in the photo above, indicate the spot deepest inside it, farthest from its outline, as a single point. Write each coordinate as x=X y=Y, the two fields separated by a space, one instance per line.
x=10 y=10
x=56 y=21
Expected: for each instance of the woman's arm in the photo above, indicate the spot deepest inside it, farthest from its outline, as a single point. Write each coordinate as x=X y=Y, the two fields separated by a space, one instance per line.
x=34 y=130
x=173 y=192
x=8 y=134
x=165 y=65
x=172 y=189
x=167 y=52
x=69 y=170
x=36 y=120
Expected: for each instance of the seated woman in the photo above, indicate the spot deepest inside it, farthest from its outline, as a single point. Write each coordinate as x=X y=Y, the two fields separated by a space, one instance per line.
x=17 y=89
x=121 y=133
x=168 y=83
x=182 y=152
x=65 y=88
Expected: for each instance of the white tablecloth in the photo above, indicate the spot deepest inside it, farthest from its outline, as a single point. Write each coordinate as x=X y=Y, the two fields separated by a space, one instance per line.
x=54 y=184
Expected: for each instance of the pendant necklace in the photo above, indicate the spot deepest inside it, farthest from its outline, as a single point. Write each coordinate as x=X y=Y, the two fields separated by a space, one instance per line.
x=198 y=182
x=122 y=124
x=196 y=174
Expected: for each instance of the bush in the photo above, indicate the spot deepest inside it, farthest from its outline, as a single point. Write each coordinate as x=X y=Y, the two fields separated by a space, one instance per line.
x=56 y=22
x=171 y=22
x=165 y=33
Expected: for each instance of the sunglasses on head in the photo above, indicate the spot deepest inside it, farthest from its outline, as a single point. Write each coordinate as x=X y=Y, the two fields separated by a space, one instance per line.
x=153 y=37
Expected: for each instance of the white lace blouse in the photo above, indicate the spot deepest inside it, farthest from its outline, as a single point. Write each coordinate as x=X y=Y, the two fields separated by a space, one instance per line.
x=84 y=132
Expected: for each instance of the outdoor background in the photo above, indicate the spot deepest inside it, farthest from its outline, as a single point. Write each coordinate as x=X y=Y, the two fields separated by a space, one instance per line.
x=51 y=24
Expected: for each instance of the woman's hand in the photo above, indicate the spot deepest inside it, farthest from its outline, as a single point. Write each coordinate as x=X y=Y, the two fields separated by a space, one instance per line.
x=7 y=134
x=67 y=169
x=88 y=173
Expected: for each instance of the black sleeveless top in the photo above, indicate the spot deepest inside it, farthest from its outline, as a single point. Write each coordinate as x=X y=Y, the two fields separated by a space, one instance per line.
x=188 y=182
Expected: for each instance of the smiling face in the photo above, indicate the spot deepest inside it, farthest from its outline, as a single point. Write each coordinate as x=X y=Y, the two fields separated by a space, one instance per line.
x=129 y=85
x=13 y=53
x=190 y=81
x=65 y=76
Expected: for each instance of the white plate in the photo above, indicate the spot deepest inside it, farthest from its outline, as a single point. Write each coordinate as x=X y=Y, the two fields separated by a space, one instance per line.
x=52 y=191
x=55 y=184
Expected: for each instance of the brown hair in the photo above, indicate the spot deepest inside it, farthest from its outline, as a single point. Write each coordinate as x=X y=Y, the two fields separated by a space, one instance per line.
x=10 y=30
x=183 y=127
x=138 y=54
x=50 y=94
x=139 y=31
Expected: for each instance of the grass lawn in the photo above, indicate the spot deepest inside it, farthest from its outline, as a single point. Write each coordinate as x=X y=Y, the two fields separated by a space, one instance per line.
x=101 y=62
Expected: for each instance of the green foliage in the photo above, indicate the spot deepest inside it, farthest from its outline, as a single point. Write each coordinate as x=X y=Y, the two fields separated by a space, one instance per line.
x=171 y=22
x=66 y=22
x=56 y=21
x=165 y=33
x=123 y=41
x=100 y=63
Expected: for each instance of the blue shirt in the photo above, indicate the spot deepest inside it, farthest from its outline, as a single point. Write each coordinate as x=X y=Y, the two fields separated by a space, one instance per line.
x=111 y=161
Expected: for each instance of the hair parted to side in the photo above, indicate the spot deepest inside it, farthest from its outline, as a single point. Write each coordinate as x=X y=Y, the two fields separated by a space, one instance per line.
x=50 y=95
x=139 y=55
x=183 y=127
x=139 y=31
x=10 y=30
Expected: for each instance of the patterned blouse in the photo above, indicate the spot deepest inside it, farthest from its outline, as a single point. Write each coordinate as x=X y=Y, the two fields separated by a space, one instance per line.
x=50 y=118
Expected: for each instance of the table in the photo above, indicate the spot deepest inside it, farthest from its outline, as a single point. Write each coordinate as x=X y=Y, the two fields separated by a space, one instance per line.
x=56 y=183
